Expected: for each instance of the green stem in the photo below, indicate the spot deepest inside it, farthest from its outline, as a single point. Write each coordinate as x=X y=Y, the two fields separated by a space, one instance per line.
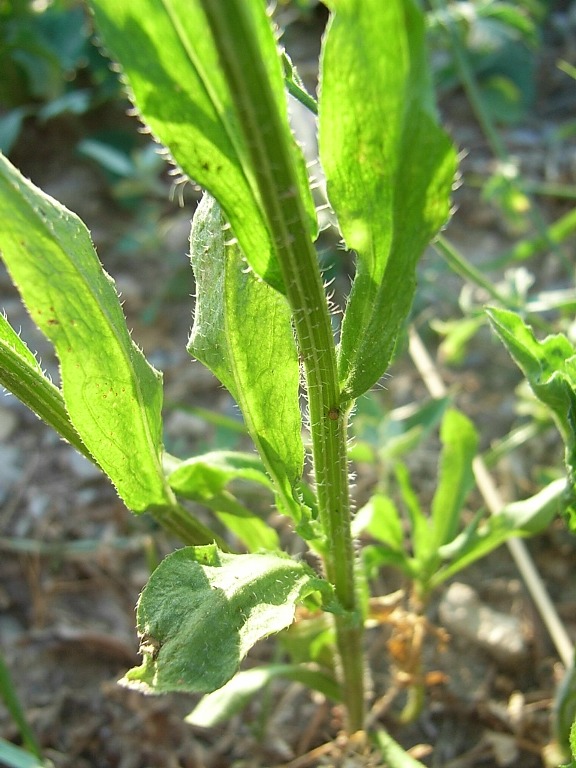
x=267 y=139
x=176 y=520
x=462 y=267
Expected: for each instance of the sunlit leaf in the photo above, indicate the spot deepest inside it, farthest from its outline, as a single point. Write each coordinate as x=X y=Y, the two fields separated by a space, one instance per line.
x=202 y=610
x=112 y=395
x=389 y=170
x=176 y=78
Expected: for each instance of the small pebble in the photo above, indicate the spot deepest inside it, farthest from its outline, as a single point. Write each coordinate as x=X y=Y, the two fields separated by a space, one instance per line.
x=498 y=634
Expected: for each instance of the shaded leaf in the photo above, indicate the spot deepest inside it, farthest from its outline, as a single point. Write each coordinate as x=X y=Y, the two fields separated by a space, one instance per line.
x=205 y=479
x=202 y=610
x=455 y=476
x=520 y=518
x=201 y=477
x=380 y=518
x=242 y=331
x=221 y=705
x=12 y=756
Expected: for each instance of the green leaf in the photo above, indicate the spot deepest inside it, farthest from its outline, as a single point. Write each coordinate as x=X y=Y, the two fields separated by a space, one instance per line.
x=394 y=755
x=550 y=367
x=20 y=373
x=205 y=478
x=455 y=476
x=10 y=698
x=380 y=518
x=12 y=756
x=177 y=80
x=520 y=518
x=389 y=170
x=242 y=331
x=202 y=477
x=420 y=526
x=221 y=705
x=112 y=395
x=202 y=610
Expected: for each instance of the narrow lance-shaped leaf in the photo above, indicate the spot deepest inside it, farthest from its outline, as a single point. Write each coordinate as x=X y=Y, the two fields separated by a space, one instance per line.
x=455 y=476
x=21 y=374
x=389 y=170
x=242 y=331
x=202 y=610
x=169 y=59
x=520 y=518
x=112 y=395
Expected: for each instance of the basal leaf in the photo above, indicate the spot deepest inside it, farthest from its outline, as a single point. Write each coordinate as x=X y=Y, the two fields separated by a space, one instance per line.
x=242 y=331
x=550 y=367
x=21 y=374
x=221 y=705
x=202 y=610
x=455 y=475
x=520 y=518
x=389 y=170
x=178 y=83
x=112 y=395
x=381 y=519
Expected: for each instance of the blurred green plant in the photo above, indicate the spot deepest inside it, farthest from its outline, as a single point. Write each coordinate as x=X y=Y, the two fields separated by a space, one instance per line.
x=501 y=42
x=12 y=756
x=49 y=65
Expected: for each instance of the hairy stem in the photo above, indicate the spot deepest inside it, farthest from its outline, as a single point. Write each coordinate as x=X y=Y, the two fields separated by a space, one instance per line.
x=267 y=140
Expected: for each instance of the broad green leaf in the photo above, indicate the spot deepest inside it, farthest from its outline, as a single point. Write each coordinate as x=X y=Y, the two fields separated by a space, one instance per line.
x=205 y=479
x=178 y=83
x=550 y=367
x=251 y=530
x=389 y=170
x=242 y=331
x=455 y=476
x=202 y=610
x=519 y=518
x=202 y=477
x=112 y=395
x=217 y=707
x=21 y=374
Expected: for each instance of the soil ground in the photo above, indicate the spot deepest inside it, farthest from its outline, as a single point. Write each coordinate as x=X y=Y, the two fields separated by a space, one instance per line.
x=73 y=560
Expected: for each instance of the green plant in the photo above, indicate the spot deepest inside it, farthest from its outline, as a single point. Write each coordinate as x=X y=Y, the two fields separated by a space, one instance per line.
x=48 y=64
x=500 y=40
x=209 y=81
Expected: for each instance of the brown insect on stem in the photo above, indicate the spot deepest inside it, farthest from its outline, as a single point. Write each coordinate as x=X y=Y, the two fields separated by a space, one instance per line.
x=334 y=414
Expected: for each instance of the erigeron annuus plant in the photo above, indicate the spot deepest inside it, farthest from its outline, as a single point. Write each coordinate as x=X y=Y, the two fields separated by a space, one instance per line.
x=209 y=80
